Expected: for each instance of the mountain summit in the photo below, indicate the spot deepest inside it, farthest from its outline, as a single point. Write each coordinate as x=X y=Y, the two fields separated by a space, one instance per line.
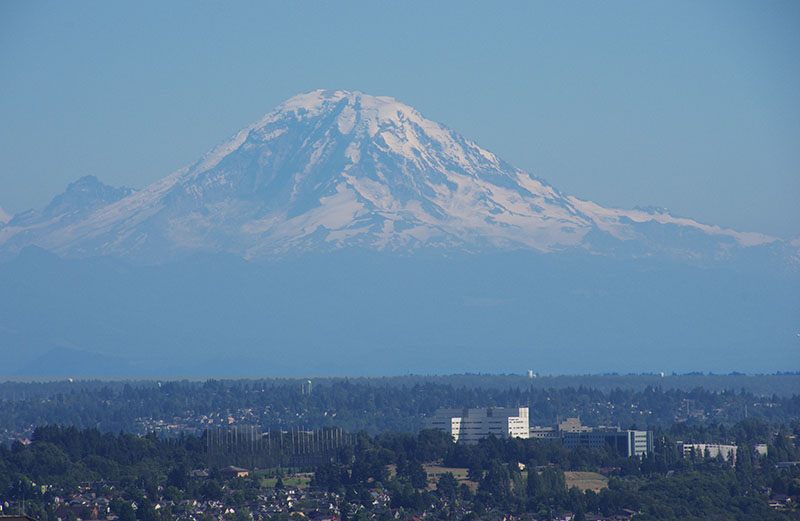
x=334 y=169
x=344 y=196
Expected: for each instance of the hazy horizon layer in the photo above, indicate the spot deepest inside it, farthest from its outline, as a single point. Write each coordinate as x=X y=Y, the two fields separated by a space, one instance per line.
x=356 y=314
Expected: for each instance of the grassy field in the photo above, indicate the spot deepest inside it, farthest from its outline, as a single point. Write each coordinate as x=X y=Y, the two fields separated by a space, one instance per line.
x=290 y=480
x=582 y=480
x=586 y=480
x=434 y=471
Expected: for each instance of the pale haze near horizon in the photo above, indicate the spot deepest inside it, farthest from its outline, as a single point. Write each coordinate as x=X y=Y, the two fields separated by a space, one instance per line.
x=688 y=106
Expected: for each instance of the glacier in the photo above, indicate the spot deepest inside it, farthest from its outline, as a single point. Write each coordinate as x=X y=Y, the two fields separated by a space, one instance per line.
x=335 y=169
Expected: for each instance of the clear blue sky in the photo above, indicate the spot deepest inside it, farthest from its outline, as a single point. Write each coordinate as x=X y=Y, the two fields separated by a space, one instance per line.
x=694 y=106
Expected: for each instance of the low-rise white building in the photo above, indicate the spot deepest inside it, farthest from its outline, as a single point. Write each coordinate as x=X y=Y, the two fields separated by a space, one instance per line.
x=572 y=425
x=544 y=433
x=711 y=450
x=471 y=425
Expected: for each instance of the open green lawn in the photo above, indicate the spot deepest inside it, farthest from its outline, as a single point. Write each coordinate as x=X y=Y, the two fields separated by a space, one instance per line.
x=291 y=480
x=586 y=480
x=460 y=473
x=582 y=480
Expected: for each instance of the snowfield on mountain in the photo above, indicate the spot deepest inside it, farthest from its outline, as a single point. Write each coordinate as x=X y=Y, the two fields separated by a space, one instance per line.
x=335 y=169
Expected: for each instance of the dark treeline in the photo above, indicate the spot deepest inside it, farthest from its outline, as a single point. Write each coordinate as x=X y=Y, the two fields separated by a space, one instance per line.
x=782 y=383
x=359 y=404
x=513 y=476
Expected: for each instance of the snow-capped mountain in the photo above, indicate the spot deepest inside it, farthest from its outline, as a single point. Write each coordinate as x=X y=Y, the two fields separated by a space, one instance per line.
x=353 y=176
x=333 y=169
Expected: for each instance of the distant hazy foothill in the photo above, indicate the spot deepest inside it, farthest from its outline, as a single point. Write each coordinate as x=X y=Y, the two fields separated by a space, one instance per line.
x=383 y=242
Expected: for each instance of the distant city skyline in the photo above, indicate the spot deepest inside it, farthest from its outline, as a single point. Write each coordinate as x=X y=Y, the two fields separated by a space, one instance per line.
x=688 y=106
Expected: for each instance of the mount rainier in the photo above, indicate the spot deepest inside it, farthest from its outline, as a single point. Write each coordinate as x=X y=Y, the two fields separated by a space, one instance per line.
x=334 y=169
x=346 y=234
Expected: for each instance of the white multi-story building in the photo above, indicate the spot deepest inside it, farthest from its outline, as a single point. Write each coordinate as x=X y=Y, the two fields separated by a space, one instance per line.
x=471 y=425
x=627 y=443
x=712 y=450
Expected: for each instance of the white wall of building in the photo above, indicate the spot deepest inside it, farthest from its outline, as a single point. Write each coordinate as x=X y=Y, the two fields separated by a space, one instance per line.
x=471 y=425
x=713 y=450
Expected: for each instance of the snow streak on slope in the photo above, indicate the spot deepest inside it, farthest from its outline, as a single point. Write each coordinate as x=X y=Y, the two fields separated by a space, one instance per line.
x=333 y=169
